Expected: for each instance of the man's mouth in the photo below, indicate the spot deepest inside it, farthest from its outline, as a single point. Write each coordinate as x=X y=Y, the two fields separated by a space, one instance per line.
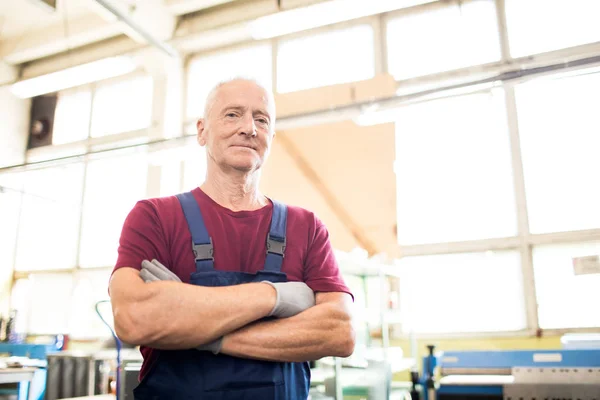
x=244 y=146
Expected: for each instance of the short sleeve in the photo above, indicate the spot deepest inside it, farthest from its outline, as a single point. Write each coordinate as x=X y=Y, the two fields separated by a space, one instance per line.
x=322 y=273
x=142 y=237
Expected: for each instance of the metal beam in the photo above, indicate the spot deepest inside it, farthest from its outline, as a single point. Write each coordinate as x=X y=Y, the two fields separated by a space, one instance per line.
x=85 y=30
x=138 y=30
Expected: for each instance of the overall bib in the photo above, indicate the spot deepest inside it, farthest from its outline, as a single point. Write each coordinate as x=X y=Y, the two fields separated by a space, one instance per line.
x=193 y=374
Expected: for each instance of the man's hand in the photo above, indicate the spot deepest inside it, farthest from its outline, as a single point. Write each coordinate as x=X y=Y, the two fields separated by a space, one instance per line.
x=155 y=271
x=292 y=298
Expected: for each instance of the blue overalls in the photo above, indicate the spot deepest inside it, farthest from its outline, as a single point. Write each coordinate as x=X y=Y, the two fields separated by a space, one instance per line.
x=193 y=374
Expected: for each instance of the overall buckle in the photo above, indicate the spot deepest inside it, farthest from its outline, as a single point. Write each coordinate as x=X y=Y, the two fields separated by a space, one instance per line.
x=203 y=251
x=276 y=246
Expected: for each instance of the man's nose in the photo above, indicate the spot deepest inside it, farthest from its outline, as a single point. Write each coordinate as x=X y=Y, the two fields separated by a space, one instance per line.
x=248 y=126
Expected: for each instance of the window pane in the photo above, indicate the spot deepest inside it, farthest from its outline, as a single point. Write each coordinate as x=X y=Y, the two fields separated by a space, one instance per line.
x=559 y=127
x=42 y=303
x=474 y=292
x=90 y=287
x=323 y=59
x=10 y=204
x=194 y=171
x=453 y=167
x=112 y=188
x=122 y=106
x=537 y=26
x=170 y=178
x=72 y=116
x=566 y=300
x=205 y=72
x=49 y=221
x=443 y=39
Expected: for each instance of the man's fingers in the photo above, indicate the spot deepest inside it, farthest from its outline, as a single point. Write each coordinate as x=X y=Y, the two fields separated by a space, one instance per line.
x=166 y=270
x=147 y=276
x=159 y=271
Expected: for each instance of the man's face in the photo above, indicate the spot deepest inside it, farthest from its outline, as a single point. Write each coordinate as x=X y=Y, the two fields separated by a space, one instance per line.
x=237 y=130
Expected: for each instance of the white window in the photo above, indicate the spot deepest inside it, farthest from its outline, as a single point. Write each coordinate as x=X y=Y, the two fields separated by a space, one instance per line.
x=444 y=38
x=10 y=204
x=112 y=188
x=72 y=116
x=253 y=62
x=470 y=292
x=453 y=167
x=537 y=26
x=558 y=126
x=122 y=106
x=566 y=300
x=194 y=171
x=42 y=302
x=49 y=218
x=170 y=178
x=90 y=287
x=328 y=58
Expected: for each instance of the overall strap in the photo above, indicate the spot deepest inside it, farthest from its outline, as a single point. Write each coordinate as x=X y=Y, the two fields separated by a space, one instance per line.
x=276 y=238
x=202 y=245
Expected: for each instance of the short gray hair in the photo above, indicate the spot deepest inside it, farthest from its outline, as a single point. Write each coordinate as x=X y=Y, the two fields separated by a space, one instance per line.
x=212 y=94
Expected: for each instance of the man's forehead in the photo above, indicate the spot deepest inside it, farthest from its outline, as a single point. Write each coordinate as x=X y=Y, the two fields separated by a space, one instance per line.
x=243 y=93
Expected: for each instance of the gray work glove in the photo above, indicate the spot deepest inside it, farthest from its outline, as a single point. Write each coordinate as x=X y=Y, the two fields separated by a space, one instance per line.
x=292 y=298
x=153 y=271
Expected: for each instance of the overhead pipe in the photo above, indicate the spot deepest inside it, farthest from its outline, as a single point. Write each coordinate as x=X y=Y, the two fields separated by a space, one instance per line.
x=159 y=44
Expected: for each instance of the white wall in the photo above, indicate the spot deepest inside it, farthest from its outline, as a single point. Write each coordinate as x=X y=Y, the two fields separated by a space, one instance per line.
x=14 y=123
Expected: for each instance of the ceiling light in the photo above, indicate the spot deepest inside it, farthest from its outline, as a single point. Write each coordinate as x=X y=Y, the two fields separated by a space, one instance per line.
x=74 y=76
x=322 y=14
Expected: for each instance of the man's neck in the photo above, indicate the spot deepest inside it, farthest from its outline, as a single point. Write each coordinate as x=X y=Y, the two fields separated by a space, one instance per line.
x=237 y=192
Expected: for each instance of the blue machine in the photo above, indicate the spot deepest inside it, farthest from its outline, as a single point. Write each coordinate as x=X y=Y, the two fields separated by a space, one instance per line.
x=511 y=375
x=34 y=352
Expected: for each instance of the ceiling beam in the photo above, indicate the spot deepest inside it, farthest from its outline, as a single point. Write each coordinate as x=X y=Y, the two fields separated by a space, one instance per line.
x=180 y=7
x=57 y=38
x=149 y=22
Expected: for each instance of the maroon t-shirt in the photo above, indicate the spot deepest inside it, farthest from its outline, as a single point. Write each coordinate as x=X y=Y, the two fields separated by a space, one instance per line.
x=157 y=229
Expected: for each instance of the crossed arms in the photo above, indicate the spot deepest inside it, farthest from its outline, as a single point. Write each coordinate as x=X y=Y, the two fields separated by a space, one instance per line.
x=173 y=315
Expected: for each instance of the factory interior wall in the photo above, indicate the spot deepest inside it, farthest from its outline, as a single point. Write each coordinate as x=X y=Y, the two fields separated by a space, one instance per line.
x=14 y=115
x=344 y=174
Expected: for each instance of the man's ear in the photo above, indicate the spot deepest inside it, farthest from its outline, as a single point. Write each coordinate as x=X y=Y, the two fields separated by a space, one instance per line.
x=200 y=128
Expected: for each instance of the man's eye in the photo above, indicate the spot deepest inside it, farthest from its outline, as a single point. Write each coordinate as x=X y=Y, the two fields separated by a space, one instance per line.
x=231 y=115
x=263 y=121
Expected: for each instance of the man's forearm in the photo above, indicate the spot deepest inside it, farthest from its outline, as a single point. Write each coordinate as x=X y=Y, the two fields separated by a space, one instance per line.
x=172 y=315
x=321 y=331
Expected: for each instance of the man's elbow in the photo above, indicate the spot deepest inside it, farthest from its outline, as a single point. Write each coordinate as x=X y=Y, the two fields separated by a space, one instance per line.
x=130 y=327
x=344 y=336
x=347 y=341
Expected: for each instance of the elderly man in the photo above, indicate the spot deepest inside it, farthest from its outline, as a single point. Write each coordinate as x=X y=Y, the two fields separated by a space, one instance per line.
x=228 y=293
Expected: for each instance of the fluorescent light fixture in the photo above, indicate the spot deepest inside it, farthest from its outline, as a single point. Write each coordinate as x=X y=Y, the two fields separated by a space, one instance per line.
x=322 y=14
x=74 y=76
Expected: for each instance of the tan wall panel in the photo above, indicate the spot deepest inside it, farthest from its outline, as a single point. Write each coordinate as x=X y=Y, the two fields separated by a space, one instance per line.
x=355 y=166
x=380 y=87
x=313 y=99
x=284 y=181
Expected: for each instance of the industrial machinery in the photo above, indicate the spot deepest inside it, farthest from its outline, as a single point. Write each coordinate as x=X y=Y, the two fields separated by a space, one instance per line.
x=572 y=374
